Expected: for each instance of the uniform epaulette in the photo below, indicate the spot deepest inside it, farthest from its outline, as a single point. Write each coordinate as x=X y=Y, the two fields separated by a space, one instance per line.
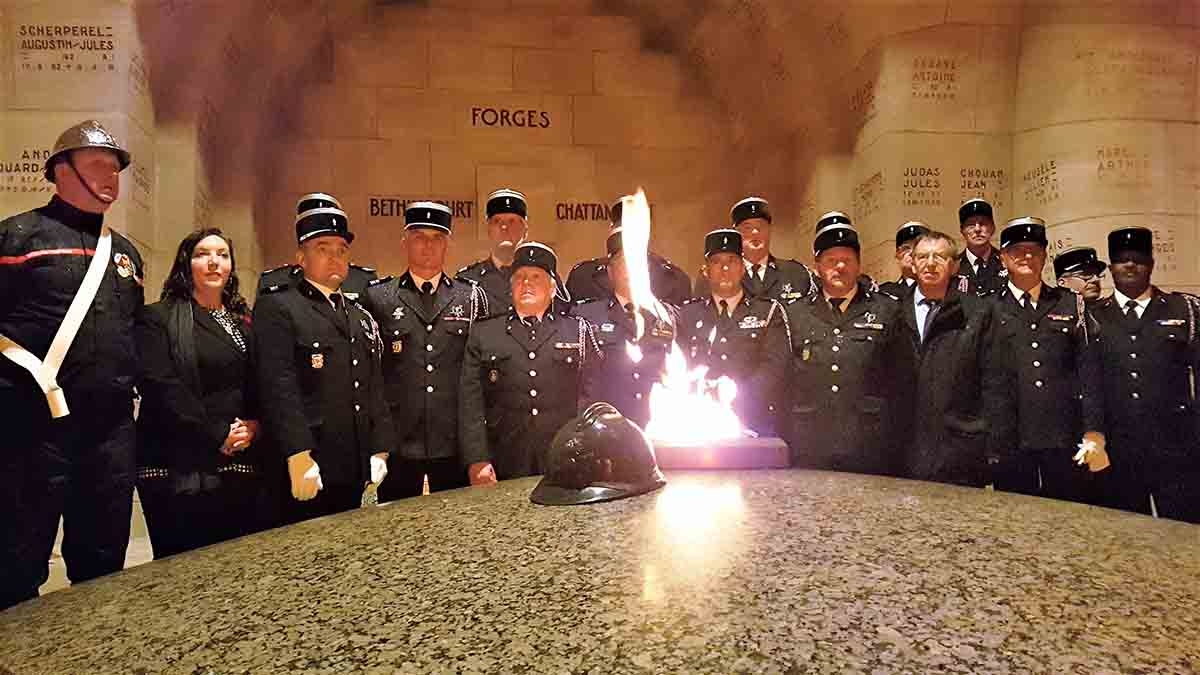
x=591 y=261
x=275 y=288
x=273 y=270
x=470 y=266
x=691 y=300
x=370 y=270
x=381 y=280
x=584 y=301
x=885 y=294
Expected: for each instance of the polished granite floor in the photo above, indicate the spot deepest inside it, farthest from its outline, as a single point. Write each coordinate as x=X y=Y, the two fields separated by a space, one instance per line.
x=755 y=572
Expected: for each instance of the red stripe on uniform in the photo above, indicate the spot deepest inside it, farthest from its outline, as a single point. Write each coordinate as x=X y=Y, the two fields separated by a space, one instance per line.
x=19 y=259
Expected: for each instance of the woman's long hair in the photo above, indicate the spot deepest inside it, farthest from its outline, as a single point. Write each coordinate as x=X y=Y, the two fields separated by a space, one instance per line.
x=179 y=285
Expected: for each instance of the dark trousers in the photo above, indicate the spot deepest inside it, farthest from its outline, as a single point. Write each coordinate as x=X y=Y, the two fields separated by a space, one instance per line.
x=1128 y=485
x=182 y=522
x=1048 y=473
x=79 y=468
x=406 y=477
x=330 y=500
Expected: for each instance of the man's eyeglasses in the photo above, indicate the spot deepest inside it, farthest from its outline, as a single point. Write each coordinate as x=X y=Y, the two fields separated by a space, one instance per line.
x=937 y=258
x=1084 y=276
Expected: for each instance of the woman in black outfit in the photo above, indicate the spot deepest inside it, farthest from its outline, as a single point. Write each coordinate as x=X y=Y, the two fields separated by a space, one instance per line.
x=201 y=478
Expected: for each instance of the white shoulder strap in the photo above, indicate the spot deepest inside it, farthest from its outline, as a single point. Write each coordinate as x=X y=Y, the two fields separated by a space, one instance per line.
x=45 y=371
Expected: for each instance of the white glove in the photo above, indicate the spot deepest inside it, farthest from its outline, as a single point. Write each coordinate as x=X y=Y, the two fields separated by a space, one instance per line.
x=378 y=468
x=305 y=475
x=1092 y=452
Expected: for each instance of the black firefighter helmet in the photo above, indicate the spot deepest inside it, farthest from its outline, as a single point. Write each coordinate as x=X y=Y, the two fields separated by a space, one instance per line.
x=597 y=457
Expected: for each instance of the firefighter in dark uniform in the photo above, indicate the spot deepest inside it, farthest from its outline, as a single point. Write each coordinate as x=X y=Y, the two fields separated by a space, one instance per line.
x=736 y=335
x=69 y=445
x=1081 y=270
x=979 y=263
x=1149 y=348
x=617 y=378
x=905 y=236
x=425 y=318
x=507 y=225
x=781 y=279
x=1045 y=333
x=522 y=372
x=851 y=368
x=589 y=279
x=319 y=374
x=289 y=275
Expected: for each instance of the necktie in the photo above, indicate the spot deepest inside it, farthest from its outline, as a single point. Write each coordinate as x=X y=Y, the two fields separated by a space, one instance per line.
x=755 y=271
x=1131 y=309
x=1025 y=301
x=978 y=264
x=427 y=297
x=933 y=307
x=724 y=312
x=836 y=305
x=339 y=311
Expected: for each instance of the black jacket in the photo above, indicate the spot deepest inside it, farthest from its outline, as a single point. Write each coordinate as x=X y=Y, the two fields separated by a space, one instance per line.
x=616 y=378
x=1151 y=417
x=519 y=385
x=588 y=280
x=751 y=348
x=320 y=382
x=1057 y=378
x=783 y=279
x=852 y=383
x=422 y=359
x=895 y=289
x=495 y=283
x=963 y=406
x=182 y=425
x=44 y=255
x=991 y=277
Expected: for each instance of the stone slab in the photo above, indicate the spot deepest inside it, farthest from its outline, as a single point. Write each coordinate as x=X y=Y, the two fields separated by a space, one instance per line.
x=470 y=67
x=645 y=121
x=671 y=581
x=554 y=71
x=382 y=62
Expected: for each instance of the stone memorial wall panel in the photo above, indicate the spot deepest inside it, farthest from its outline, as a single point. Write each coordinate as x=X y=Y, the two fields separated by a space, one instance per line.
x=1099 y=11
x=1080 y=72
x=338 y=111
x=379 y=166
x=985 y=12
x=454 y=165
x=1183 y=147
x=600 y=33
x=535 y=119
x=646 y=121
x=1075 y=171
x=77 y=56
x=864 y=23
x=470 y=67
x=416 y=114
x=553 y=71
x=637 y=74
x=382 y=62
x=310 y=167
x=665 y=175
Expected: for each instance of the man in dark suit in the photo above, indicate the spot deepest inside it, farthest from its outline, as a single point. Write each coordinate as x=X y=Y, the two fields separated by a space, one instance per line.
x=425 y=317
x=781 y=279
x=736 y=335
x=1149 y=349
x=319 y=376
x=963 y=403
x=1045 y=330
x=521 y=377
x=905 y=236
x=507 y=225
x=589 y=279
x=979 y=263
x=852 y=367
